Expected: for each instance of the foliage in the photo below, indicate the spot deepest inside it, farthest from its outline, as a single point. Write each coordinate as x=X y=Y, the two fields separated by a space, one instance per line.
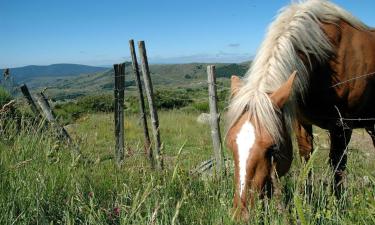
x=65 y=96
x=172 y=99
x=192 y=99
x=5 y=97
x=98 y=103
x=231 y=69
x=172 y=76
x=71 y=111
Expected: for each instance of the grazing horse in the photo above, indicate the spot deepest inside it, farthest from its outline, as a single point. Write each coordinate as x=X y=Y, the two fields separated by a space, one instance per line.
x=314 y=67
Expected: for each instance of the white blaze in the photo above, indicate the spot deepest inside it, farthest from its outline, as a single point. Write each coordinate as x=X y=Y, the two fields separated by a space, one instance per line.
x=245 y=140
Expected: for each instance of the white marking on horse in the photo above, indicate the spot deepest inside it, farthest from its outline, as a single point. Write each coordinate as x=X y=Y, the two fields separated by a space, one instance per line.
x=245 y=140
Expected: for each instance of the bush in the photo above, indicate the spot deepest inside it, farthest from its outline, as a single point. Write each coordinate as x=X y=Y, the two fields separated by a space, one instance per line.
x=168 y=99
x=165 y=99
x=132 y=104
x=70 y=111
x=231 y=69
x=110 y=85
x=5 y=97
x=97 y=103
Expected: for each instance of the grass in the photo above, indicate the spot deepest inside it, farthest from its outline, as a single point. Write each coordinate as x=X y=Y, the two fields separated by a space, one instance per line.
x=43 y=183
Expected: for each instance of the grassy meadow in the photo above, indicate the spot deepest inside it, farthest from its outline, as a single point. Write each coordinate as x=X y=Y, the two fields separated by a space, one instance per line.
x=42 y=182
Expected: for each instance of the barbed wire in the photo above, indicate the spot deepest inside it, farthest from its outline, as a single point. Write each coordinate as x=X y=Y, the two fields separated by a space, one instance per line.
x=352 y=79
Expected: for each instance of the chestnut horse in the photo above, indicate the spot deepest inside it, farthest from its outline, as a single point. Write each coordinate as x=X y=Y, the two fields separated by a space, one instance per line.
x=315 y=67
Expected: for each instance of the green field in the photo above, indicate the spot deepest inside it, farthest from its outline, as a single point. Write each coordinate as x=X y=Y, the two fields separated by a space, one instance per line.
x=42 y=182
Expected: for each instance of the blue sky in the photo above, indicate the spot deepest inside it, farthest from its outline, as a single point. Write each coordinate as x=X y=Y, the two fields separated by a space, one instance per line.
x=96 y=32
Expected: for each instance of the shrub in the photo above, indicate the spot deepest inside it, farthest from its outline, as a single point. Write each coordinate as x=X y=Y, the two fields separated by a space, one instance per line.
x=70 y=111
x=168 y=99
x=231 y=69
x=5 y=97
x=97 y=103
x=132 y=104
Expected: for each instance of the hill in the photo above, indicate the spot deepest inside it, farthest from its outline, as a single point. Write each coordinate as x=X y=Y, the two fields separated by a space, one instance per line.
x=29 y=73
x=163 y=76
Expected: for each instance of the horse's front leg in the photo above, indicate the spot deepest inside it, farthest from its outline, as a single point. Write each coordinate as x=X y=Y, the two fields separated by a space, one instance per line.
x=304 y=134
x=371 y=131
x=340 y=137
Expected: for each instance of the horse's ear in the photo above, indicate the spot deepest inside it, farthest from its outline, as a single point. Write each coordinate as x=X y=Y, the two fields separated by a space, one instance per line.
x=235 y=84
x=281 y=95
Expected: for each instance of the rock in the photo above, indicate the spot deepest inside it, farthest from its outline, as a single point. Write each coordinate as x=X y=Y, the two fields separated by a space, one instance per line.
x=71 y=127
x=204 y=118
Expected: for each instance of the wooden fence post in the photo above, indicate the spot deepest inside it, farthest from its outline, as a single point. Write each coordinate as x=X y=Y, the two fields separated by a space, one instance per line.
x=51 y=118
x=26 y=93
x=150 y=98
x=147 y=144
x=214 y=120
x=119 y=111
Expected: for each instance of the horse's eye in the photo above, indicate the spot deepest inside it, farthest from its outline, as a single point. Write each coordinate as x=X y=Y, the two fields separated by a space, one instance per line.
x=273 y=147
x=271 y=150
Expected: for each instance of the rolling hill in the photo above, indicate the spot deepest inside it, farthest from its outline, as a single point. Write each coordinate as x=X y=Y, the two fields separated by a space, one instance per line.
x=28 y=73
x=73 y=81
x=163 y=76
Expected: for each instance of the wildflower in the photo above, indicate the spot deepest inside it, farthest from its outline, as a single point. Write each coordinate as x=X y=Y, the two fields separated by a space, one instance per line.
x=116 y=211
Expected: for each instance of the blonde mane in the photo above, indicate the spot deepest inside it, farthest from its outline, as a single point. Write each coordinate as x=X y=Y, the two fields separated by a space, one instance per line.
x=295 y=30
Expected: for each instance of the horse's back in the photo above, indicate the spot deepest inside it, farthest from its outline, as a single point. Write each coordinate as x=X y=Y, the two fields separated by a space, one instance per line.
x=347 y=82
x=356 y=58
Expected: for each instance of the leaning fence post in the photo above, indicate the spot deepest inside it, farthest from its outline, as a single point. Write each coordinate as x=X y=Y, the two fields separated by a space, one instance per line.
x=214 y=120
x=150 y=98
x=119 y=111
x=147 y=146
x=50 y=116
x=26 y=93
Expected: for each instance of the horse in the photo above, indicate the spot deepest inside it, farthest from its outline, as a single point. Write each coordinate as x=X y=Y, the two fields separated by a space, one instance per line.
x=314 y=67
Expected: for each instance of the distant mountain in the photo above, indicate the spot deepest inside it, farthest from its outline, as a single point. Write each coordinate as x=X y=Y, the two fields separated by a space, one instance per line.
x=163 y=76
x=27 y=73
x=69 y=81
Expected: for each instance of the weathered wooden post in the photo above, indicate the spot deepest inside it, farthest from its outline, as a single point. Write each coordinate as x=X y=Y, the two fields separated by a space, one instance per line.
x=147 y=144
x=119 y=111
x=51 y=118
x=46 y=108
x=150 y=98
x=26 y=93
x=214 y=120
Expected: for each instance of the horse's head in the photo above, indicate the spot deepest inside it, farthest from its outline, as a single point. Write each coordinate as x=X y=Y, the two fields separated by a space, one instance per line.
x=257 y=157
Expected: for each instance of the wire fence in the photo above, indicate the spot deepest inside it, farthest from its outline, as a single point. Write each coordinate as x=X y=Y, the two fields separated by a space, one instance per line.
x=16 y=92
x=6 y=105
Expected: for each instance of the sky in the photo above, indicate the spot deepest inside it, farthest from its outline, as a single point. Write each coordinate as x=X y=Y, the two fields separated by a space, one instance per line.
x=96 y=32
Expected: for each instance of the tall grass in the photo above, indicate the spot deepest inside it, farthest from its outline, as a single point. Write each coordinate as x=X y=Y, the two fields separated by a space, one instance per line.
x=43 y=183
